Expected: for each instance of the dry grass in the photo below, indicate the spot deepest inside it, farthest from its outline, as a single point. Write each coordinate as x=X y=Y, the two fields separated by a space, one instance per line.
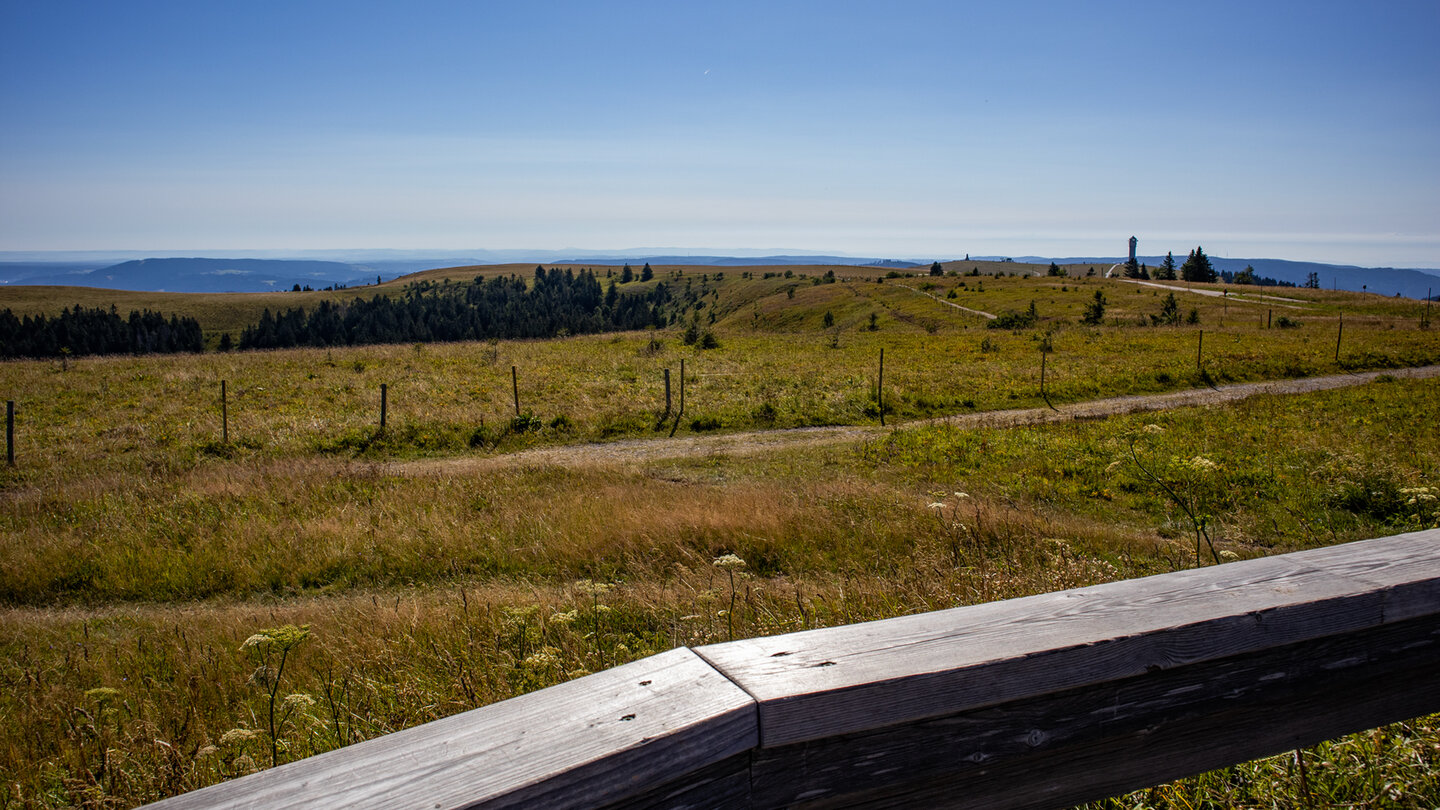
x=137 y=553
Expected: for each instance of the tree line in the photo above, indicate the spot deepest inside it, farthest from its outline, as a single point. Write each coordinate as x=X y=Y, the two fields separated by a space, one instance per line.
x=558 y=302
x=78 y=331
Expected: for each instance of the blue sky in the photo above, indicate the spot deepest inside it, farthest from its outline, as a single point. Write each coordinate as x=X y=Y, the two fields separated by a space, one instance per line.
x=909 y=129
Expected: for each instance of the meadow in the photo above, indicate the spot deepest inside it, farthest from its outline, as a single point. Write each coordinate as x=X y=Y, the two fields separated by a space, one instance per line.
x=140 y=552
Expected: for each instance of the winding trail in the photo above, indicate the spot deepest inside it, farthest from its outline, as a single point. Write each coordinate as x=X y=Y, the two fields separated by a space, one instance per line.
x=639 y=451
x=981 y=313
x=1238 y=297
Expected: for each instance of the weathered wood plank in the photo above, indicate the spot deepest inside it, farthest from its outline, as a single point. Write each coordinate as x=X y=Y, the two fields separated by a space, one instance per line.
x=844 y=680
x=1061 y=749
x=597 y=740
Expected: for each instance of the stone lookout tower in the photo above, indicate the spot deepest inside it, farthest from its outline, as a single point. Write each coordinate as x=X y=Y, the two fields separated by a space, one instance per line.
x=1133 y=243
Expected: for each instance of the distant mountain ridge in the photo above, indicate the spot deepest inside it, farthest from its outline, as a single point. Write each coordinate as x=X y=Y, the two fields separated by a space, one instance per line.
x=1409 y=283
x=741 y=261
x=357 y=267
x=206 y=275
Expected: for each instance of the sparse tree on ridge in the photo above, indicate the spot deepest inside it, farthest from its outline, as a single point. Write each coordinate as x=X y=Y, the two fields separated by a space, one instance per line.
x=1197 y=267
x=936 y=269
x=1166 y=270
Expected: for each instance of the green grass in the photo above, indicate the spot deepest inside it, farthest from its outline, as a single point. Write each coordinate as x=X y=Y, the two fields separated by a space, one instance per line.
x=139 y=552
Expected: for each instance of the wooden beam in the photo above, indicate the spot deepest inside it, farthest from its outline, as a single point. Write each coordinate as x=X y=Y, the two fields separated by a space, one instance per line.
x=658 y=726
x=1049 y=700
x=843 y=680
x=1084 y=744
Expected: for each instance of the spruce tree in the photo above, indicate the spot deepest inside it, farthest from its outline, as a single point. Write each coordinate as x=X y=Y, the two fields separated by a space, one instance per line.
x=1166 y=270
x=1197 y=267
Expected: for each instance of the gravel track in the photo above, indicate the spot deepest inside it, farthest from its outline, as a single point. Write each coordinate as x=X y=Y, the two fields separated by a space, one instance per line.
x=639 y=451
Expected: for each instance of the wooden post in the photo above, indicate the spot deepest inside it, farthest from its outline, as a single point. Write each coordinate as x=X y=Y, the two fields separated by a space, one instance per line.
x=224 y=416
x=880 y=387
x=383 y=396
x=10 y=432
x=680 y=412
x=1042 y=374
x=1268 y=313
x=667 y=392
x=1339 y=334
x=515 y=388
x=1199 y=346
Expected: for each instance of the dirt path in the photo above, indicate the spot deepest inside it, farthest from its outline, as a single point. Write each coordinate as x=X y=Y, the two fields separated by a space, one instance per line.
x=981 y=313
x=638 y=451
x=1242 y=298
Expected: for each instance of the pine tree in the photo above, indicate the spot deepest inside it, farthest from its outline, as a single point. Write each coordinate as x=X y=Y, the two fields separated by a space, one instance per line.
x=1095 y=311
x=1166 y=270
x=1197 y=267
x=936 y=269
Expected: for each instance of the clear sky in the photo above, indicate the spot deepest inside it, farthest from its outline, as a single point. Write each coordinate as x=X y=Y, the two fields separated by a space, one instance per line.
x=1305 y=130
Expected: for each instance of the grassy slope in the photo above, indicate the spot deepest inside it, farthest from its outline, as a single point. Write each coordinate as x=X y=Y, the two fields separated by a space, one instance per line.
x=138 y=553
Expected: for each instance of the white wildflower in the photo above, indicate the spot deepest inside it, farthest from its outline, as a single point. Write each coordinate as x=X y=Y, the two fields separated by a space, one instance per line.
x=544 y=659
x=1202 y=464
x=299 y=700
x=729 y=562
x=238 y=736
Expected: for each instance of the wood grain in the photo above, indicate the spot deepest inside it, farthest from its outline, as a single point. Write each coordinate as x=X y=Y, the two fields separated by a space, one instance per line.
x=1088 y=743
x=586 y=743
x=1048 y=700
x=843 y=680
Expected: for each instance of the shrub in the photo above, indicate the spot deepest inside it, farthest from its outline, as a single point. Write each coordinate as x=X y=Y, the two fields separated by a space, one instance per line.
x=1016 y=320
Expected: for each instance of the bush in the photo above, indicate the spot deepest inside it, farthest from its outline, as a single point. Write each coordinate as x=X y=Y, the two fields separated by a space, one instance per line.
x=1016 y=320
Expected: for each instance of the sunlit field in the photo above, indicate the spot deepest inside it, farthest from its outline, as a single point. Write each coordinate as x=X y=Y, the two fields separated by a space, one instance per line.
x=140 y=550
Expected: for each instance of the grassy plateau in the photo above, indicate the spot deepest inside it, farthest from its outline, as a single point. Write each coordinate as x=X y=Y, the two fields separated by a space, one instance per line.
x=152 y=573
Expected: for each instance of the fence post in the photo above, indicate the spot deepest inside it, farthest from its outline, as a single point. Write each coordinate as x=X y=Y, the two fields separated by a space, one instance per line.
x=1339 y=334
x=667 y=392
x=1199 y=346
x=680 y=412
x=383 y=396
x=880 y=388
x=224 y=416
x=515 y=388
x=10 y=432
x=1268 y=313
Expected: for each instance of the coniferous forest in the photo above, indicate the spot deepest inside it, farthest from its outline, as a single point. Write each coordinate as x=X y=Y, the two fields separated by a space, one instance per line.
x=77 y=331
x=558 y=302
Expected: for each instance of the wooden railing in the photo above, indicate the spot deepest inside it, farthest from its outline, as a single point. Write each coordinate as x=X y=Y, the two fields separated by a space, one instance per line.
x=1048 y=700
